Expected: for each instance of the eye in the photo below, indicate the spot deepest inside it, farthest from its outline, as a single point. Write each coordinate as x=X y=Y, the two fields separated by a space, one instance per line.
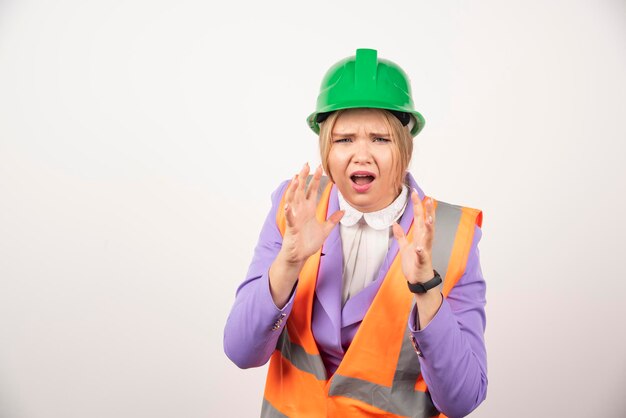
x=340 y=140
x=379 y=139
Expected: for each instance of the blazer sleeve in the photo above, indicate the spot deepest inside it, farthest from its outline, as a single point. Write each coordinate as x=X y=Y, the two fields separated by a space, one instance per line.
x=453 y=357
x=255 y=323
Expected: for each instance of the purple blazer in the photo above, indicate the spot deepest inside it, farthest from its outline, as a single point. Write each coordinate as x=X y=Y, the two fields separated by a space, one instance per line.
x=453 y=358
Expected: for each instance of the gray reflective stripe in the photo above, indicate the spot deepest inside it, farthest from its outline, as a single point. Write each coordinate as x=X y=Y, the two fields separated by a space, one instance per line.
x=400 y=402
x=310 y=363
x=401 y=398
x=323 y=183
x=446 y=224
x=268 y=411
x=408 y=368
x=403 y=390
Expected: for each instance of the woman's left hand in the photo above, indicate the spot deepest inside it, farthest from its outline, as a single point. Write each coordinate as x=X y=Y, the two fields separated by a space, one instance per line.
x=416 y=255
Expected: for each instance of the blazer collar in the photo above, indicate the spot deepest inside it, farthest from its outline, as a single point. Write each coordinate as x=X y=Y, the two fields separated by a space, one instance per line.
x=381 y=219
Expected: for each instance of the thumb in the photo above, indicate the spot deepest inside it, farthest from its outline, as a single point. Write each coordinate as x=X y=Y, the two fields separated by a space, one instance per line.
x=398 y=234
x=289 y=216
x=422 y=256
x=332 y=221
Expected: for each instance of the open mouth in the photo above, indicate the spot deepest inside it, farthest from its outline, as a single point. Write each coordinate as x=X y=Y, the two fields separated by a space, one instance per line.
x=362 y=178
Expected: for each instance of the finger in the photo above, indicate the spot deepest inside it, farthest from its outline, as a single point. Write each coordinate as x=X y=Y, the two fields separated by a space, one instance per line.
x=304 y=172
x=429 y=232
x=418 y=217
x=418 y=209
x=289 y=216
x=332 y=221
x=315 y=183
x=291 y=189
x=432 y=212
x=398 y=233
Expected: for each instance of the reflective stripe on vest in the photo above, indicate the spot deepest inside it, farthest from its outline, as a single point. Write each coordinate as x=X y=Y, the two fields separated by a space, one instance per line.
x=380 y=372
x=310 y=363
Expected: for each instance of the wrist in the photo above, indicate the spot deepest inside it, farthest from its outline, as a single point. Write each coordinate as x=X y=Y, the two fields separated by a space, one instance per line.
x=283 y=275
x=422 y=276
x=423 y=287
x=433 y=296
x=289 y=262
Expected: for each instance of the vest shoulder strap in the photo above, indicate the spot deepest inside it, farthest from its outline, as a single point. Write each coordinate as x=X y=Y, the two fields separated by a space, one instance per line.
x=454 y=234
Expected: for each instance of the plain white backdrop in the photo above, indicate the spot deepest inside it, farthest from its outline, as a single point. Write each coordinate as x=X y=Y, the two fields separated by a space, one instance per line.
x=140 y=141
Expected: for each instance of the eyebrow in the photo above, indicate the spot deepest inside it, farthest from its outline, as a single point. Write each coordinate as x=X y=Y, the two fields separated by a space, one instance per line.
x=350 y=134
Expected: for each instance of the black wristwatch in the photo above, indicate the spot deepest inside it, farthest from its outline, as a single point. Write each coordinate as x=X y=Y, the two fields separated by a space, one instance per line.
x=426 y=286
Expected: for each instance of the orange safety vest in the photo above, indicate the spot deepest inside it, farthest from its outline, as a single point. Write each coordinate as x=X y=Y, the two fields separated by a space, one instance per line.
x=379 y=375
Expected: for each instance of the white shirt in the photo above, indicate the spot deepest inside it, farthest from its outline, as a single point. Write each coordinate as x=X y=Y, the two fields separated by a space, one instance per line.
x=365 y=239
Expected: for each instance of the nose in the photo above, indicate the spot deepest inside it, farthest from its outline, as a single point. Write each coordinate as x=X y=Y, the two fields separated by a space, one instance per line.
x=362 y=152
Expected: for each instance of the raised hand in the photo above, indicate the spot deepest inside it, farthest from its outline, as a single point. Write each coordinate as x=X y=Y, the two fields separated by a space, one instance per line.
x=304 y=234
x=416 y=255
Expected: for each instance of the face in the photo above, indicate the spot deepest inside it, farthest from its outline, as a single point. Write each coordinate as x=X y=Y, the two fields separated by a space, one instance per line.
x=361 y=159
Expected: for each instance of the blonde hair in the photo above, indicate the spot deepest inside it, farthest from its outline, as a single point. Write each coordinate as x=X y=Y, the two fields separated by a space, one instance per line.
x=400 y=137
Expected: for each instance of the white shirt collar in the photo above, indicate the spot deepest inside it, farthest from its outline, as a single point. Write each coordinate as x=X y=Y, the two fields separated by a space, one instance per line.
x=380 y=219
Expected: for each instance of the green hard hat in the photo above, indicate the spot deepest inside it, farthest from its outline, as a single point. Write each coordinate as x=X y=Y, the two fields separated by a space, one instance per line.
x=365 y=81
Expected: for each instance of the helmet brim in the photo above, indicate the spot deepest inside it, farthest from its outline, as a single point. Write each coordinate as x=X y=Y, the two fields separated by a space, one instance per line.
x=417 y=126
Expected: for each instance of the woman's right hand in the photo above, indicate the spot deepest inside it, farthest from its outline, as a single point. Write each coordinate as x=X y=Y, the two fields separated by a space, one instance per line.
x=304 y=234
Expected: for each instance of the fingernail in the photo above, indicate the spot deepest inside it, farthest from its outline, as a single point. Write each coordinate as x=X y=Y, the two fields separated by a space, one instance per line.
x=430 y=219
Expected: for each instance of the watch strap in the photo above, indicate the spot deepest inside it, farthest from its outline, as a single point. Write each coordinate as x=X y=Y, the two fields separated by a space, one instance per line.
x=426 y=286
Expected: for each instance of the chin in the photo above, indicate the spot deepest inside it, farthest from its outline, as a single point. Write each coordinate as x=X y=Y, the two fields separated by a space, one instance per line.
x=363 y=203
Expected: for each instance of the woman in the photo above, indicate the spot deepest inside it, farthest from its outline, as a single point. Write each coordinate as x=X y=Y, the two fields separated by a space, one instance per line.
x=355 y=317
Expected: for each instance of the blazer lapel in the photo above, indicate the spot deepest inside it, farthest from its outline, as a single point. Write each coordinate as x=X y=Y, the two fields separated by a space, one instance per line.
x=329 y=280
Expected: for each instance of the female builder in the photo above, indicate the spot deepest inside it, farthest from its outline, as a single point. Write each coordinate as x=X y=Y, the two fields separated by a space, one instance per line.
x=366 y=296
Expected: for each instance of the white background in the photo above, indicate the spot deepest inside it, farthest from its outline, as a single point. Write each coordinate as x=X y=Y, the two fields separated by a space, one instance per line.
x=140 y=141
